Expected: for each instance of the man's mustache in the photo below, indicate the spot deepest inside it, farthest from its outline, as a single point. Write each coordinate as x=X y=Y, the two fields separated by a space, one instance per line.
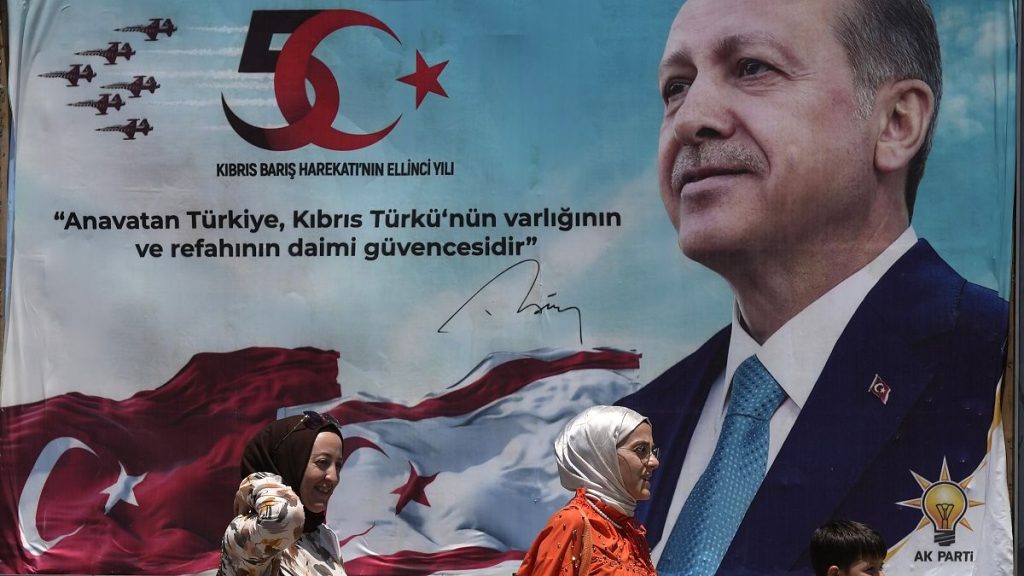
x=695 y=162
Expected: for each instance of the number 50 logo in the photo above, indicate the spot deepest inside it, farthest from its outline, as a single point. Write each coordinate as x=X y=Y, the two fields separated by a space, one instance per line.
x=295 y=64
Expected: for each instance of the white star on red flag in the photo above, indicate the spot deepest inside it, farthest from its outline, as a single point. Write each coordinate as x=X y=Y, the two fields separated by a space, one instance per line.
x=122 y=489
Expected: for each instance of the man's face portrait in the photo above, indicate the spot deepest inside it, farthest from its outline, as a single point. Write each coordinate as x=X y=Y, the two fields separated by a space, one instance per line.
x=764 y=143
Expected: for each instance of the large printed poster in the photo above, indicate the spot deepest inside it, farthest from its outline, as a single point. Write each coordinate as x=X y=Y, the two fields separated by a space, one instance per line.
x=441 y=222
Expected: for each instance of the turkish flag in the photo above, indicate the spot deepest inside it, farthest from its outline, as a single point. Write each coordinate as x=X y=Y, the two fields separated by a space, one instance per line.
x=143 y=485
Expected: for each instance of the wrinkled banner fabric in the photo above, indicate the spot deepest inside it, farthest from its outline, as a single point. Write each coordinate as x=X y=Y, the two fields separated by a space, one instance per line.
x=437 y=220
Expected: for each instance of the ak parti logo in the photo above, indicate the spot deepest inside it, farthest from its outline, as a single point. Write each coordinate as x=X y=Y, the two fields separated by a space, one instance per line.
x=294 y=65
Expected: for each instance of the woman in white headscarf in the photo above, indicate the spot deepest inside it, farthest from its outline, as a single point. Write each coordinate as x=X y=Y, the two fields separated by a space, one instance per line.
x=606 y=455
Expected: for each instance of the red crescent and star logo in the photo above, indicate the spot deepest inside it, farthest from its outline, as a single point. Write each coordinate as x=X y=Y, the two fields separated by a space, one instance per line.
x=294 y=65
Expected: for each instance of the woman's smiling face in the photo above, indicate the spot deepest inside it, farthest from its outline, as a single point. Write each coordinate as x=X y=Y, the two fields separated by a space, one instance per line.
x=322 y=472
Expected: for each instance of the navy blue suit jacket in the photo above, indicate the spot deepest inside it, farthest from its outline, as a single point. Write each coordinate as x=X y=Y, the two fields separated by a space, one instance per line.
x=937 y=340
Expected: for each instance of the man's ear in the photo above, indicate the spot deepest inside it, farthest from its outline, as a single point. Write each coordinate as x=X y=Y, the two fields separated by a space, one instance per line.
x=833 y=570
x=906 y=113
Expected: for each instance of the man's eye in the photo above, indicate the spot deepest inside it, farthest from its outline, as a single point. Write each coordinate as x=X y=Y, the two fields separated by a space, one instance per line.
x=748 y=67
x=674 y=89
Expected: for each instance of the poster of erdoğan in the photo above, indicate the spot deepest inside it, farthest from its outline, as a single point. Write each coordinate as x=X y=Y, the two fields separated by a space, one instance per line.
x=438 y=221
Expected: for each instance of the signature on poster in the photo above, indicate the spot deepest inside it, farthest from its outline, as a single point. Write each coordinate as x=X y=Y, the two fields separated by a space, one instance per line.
x=523 y=306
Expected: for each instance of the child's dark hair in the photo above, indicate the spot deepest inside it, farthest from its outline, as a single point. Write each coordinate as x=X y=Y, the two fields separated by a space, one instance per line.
x=843 y=542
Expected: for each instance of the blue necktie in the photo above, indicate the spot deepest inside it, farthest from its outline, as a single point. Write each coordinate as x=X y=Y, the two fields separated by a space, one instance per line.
x=716 y=506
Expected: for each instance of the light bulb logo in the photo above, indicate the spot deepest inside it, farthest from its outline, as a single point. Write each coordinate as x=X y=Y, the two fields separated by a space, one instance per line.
x=944 y=504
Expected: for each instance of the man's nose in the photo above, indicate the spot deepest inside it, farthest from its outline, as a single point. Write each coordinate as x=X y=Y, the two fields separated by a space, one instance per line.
x=704 y=113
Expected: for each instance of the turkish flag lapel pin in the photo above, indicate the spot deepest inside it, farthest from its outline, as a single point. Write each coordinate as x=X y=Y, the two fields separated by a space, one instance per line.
x=880 y=389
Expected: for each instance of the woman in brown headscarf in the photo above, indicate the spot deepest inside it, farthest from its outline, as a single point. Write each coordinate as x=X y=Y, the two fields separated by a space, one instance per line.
x=289 y=471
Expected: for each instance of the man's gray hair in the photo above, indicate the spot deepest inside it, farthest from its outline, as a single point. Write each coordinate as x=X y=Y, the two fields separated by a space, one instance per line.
x=892 y=40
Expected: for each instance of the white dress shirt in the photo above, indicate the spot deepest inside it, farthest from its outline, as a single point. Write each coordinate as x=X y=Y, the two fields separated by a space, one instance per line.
x=795 y=355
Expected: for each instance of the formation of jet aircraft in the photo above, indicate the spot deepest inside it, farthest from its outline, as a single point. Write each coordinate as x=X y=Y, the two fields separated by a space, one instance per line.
x=114 y=51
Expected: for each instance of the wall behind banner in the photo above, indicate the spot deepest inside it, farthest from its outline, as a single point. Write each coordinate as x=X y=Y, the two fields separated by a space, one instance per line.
x=132 y=208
